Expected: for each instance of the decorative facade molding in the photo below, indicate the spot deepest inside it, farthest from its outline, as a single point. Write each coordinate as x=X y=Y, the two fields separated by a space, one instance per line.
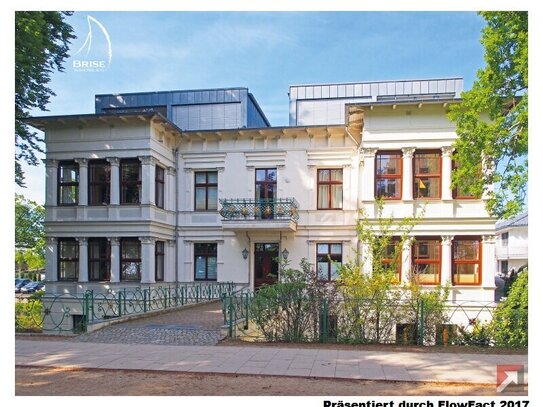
x=83 y=162
x=447 y=151
x=114 y=241
x=82 y=240
x=113 y=161
x=490 y=239
x=368 y=152
x=408 y=152
x=51 y=240
x=171 y=170
x=147 y=160
x=147 y=240
x=50 y=162
x=447 y=239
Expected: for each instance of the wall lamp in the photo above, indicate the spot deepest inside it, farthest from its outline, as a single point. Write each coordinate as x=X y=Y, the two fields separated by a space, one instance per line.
x=285 y=254
x=245 y=253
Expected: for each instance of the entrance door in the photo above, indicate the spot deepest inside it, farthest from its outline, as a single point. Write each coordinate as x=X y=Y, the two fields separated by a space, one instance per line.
x=265 y=192
x=266 y=266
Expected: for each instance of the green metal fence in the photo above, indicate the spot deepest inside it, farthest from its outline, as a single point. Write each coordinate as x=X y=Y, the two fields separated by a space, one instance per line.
x=361 y=321
x=67 y=312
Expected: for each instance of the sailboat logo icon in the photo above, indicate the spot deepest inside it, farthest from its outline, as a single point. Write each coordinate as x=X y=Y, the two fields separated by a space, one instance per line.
x=95 y=54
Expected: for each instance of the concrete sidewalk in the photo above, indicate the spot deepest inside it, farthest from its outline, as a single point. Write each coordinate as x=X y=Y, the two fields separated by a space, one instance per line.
x=372 y=365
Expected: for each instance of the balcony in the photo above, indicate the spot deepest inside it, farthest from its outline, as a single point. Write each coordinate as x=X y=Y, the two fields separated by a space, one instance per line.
x=261 y=214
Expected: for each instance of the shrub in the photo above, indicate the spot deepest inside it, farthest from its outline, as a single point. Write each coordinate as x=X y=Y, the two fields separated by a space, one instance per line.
x=510 y=322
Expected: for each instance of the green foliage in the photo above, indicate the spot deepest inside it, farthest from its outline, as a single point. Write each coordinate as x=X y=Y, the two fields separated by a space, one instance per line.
x=29 y=234
x=492 y=119
x=428 y=303
x=368 y=310
x=510 y=322
x=41 y=46
x=28 y=314
x=288 y=310
x=478 y=334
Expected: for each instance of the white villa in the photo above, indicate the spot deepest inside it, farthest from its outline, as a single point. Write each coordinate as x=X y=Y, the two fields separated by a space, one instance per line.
x=183 y=186
x=512 y=244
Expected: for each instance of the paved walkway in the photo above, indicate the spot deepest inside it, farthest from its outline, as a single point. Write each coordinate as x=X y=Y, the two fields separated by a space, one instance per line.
x=195 y=325
x=399 y=366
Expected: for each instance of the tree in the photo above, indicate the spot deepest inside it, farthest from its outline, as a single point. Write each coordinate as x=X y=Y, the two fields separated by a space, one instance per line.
x=492 y=119
x=41 y=46
x=29 y=233
x=510 y=321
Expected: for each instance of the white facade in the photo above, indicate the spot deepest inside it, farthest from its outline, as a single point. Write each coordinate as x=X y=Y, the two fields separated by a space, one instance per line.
x=512 y=244
x=233 y=161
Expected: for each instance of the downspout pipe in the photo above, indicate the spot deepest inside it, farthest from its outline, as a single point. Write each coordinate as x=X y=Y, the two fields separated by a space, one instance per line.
x=176 y=191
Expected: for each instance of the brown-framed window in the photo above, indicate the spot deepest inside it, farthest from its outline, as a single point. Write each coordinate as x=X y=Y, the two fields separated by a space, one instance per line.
x=388 y=175
x=159 y=261
x=99 y=259
x=205 y=261
x=393 y=256
x=467 y=260
x=330 y=188
x=205 y=190
x=427 y=175
x=68 y=259
x=159 y=187
x=130 y=259
x=130 y=181
x=329 y=259
x=99 y=182
x=427 y=260
x=68 y=183
x=461 y=191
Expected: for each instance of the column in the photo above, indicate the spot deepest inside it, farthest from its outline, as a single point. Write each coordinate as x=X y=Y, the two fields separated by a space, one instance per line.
x=446 y=172
x=83 y=259
x=407 y=179
x=147 y=179
x=368 y=174
x=171 y=189
x=360 y=183
x=114 y=182
x=51 y=258
x=83 y=180
x=51 y=168
x=406 y=260
x=147 y=259
x=446 y=259
x=489 y=261
x=170 y=272
x=115 y=260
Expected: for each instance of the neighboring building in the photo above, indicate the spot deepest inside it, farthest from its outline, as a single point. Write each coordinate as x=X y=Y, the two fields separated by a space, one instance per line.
x=512 y=244
x=139 y=197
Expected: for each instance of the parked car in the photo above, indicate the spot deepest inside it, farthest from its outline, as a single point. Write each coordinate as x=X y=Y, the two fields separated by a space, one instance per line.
x=21 y=283
x=32 y=287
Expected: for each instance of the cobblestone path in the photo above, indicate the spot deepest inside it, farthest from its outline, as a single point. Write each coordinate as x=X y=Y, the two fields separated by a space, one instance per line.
x=196 y=325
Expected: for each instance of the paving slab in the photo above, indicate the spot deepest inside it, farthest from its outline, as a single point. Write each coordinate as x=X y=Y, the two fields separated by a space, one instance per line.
x=370 y=365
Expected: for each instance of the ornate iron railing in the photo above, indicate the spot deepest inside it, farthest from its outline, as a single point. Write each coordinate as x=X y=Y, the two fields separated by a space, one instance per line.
x=259 y=209
x=67 y=312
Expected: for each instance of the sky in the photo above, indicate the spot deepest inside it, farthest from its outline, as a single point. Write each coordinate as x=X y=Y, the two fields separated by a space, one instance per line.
x=264 y=51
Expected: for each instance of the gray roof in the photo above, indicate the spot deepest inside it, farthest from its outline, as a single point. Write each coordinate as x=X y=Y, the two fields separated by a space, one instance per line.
x=518 y=221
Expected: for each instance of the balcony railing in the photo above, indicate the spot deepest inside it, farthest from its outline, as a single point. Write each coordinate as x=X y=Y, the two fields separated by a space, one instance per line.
x=259 y=209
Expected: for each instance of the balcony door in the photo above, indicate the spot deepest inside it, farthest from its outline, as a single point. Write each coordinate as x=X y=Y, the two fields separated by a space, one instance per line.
x=266 y=265
x=265 y=192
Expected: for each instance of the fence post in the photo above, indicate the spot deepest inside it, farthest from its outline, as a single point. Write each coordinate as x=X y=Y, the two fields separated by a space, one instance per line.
x=198 y=287
x=144 y=300
x=230 y=317
x=86 y=310
x=92 y=305
x=119 y=303
x=246 y=310
x=124 y=300
x=324 y=335
x=223 y=304
x=421 y=330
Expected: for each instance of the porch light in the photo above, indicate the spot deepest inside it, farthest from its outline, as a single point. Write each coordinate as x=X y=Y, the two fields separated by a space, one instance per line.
x=245 y=253
x=285 y=254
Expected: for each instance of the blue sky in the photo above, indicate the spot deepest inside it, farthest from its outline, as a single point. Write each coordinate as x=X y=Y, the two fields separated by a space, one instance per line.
x=265 y=52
